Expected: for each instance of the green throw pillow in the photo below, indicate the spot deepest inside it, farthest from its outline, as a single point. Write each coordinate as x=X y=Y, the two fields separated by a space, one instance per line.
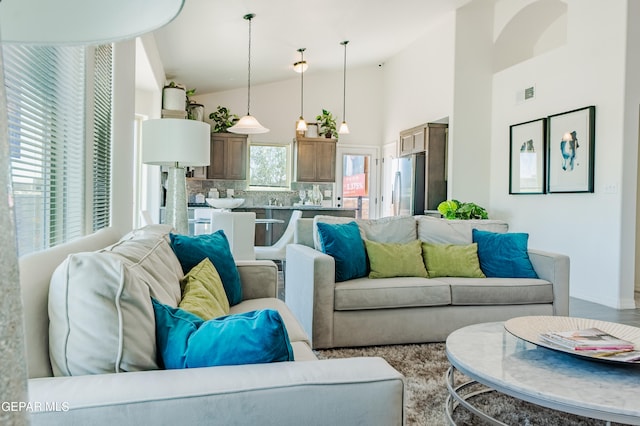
x=395 y=259
x=203 y=293
x=451 y=260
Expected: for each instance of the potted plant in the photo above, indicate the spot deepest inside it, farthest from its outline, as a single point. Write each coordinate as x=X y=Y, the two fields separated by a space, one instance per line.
x=454 y=209
x=327 y=124
x=222 y=119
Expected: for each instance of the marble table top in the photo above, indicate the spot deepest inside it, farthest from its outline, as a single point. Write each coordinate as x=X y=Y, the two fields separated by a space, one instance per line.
x=494 y=357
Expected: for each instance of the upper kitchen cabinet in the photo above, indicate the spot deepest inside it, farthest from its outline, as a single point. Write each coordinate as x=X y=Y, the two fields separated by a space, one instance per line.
x=412 y=140
x=228 y=156
x=315 y=159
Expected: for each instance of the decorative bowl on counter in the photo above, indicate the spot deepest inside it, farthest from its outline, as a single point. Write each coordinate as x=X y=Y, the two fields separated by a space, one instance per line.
x=225 y=203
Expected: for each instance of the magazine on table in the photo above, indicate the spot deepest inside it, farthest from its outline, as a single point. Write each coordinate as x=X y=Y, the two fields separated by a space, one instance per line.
x=590 y=339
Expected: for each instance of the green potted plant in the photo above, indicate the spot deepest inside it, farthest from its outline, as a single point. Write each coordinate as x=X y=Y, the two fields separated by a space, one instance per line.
x=222 y=119
x=454 y=209
x=174 y=97
x=327 y=124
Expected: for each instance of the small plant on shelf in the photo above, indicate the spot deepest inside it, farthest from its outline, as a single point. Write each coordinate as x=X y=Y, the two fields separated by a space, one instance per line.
x=454 y=209
x=222 y=119
x=327 y=124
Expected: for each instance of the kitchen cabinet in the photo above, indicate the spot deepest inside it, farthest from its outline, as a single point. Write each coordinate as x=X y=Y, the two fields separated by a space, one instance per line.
x=315 y=159
x=228 y=157
x=429 y=140
x=412 y=141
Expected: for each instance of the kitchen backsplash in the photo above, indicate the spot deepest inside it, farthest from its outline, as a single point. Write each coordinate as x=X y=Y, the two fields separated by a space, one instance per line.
x=254 y=198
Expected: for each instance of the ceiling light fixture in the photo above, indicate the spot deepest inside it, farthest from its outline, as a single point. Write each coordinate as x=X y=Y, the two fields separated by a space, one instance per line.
x=302 y=125
x=344 y=129
x=248 y=124
x=300 y=66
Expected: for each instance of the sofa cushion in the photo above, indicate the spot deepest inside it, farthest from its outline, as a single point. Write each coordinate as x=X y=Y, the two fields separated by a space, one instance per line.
x=100 y=313
x=342 y=241
x=392 y=229
x=452 y=260
x=186 y=341
x=387 y=260
x=400 y=292
x=499 y=291
x=191 y=250
x=504 y=255
x=202 y=292
x=446 y=231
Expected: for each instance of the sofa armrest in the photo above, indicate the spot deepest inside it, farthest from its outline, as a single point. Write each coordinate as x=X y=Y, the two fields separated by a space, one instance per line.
x=336 y=391
x=259 y=278
x=554 y=268
x=310 y=282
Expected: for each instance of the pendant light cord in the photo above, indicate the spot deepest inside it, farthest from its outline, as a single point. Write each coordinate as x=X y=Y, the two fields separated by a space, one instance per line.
x=344 y=82
x=249 y=17
x=302 y=82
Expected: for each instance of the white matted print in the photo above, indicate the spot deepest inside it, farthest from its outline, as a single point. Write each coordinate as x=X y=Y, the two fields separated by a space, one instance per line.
x=571 y=143
x=527 y=157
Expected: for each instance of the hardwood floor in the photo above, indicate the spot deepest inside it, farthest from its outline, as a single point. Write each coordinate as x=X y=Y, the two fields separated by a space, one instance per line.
x=584 y=309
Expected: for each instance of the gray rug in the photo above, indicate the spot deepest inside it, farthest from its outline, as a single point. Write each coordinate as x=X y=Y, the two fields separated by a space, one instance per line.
x=424 y=367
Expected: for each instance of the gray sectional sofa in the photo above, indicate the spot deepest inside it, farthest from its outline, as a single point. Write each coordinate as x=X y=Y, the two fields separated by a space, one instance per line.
x=310 y=391
x=365 y=311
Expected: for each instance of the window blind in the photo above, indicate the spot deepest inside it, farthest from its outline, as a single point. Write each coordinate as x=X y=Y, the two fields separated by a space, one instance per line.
x=53 y=168
x=102 y=130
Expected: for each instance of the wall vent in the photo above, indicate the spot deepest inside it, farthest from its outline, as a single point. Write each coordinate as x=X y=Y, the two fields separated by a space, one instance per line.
x=526 y=94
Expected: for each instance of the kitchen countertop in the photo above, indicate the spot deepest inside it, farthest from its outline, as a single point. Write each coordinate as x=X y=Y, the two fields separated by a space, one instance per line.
x=307 y=207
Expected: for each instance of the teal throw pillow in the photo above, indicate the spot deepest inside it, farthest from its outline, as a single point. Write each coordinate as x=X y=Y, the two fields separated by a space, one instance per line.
x=184 y=340
x=504 y=255
x=193 y=250
x=344 y=243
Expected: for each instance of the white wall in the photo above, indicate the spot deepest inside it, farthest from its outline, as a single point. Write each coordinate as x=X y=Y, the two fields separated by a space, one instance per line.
x=418 y=82
x=590 y=228
x=277 y=105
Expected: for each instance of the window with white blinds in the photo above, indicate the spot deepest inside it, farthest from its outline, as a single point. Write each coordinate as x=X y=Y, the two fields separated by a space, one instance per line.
x=46 y=99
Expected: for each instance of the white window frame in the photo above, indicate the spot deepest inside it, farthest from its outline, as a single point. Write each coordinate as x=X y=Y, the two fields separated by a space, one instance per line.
x=289 y=167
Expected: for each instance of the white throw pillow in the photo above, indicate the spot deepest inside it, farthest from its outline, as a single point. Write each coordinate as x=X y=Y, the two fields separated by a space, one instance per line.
x=101 y=318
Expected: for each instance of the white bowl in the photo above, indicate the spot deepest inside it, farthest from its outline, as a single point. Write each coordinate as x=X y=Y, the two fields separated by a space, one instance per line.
x=225 y=203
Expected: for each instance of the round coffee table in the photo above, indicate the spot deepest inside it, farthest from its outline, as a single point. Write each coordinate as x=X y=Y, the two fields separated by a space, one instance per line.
x=493 y=357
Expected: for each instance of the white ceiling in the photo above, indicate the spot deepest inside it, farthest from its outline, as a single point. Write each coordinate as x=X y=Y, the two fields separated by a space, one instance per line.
x=206 y=46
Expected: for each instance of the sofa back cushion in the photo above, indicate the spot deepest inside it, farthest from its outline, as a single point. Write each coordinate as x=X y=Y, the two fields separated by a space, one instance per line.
x=100 y=311
x=445 y=231
x=392 y=229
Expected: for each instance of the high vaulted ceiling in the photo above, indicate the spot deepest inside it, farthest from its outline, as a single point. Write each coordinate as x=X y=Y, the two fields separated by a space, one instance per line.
x=206 y=46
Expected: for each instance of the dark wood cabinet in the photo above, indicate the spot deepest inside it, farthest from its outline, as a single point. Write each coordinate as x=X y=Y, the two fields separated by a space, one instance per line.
x=315 y=159
x=429 y=140
x=228 y=157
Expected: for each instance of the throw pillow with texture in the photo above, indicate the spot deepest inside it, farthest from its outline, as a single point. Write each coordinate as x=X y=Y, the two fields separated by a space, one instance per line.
x=192 y=250
x=344 y=244
x=450 y=260
x=388 y=260
x=203 y=293
x=504 y=255
x=186 y=341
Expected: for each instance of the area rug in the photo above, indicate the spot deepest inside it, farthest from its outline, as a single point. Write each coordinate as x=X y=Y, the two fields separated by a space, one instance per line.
x=424 y=367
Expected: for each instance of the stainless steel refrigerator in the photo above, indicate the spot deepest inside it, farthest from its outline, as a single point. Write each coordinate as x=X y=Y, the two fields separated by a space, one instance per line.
x=409 y=185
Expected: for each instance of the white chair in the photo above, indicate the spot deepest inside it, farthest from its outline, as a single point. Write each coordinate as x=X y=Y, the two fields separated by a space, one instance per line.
x=278 y=251
x=240 y=229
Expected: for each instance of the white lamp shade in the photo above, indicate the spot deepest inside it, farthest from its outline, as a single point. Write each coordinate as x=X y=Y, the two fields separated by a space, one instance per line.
x=248 y=125
x=168 y=141
x=82 y=21
x=344 y=128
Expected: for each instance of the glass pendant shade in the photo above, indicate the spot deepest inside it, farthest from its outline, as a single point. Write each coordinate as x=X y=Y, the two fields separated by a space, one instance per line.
x=301 y=67
x=302 y=125
x=344 y=128
x=248 y=125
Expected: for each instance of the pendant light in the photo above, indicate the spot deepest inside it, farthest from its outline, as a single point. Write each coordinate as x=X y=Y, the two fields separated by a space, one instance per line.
x=248 y=124
x=302 y=66
x=344 y=129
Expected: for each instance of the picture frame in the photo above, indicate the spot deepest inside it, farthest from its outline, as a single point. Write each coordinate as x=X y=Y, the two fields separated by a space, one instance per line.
x=527 y=157
x=571 y=150
x=312 y=130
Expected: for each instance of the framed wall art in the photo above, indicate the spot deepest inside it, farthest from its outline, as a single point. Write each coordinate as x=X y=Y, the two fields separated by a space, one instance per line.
x=570 y=150
x=527 y=157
